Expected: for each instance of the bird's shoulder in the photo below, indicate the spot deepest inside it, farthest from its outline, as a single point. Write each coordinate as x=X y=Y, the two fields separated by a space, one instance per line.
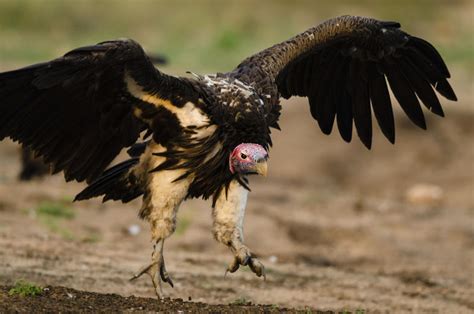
x=231 y=100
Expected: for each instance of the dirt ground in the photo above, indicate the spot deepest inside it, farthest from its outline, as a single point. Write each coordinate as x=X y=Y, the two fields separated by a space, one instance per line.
x=66 y=300
x=338 y=228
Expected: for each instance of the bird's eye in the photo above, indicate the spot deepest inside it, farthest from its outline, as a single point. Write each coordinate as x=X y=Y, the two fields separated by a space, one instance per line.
x=243 y=156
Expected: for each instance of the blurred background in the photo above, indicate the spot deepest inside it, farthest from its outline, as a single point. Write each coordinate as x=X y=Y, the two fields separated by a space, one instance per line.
x=337 y=226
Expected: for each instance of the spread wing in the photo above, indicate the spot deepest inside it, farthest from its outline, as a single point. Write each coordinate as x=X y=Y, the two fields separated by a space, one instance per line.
x=80 y=110
x=343 y=66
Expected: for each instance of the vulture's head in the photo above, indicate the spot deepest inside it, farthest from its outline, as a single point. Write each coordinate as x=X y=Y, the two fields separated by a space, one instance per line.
x=248 y=158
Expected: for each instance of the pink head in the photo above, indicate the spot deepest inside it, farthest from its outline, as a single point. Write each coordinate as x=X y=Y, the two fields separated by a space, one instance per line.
x=248 y=158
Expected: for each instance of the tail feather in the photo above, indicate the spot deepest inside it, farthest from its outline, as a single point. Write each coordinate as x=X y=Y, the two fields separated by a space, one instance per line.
x=114 y=184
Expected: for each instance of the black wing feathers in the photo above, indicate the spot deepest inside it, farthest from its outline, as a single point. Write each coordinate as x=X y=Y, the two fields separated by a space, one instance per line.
x=325 y=110
x=345 y=76
x=422 y=88
x=76 y=111
x=381 y=104
x=344 y=114
x=404 y=94
x=432 y=54
x=358 y=88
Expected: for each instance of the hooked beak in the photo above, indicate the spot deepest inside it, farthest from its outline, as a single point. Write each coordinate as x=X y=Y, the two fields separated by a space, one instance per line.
x=262 y=168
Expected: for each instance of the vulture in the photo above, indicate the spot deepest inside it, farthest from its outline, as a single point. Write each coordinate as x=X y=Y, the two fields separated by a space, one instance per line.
x=202 y=136
x=35 y=167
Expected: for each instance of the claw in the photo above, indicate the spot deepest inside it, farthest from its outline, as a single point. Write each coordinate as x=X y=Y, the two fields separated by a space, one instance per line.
x=245 y=259
x=165 y=276
x=232 y=268
x=151 y=270
x=157 y=265
x=257 y=267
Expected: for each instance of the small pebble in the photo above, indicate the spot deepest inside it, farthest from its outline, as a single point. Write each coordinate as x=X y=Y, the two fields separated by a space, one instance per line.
x=273 y=259
x=424 y=194
x=134 y=230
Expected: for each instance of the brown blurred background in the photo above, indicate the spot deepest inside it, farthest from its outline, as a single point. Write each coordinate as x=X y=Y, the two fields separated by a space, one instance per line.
x=337 y=226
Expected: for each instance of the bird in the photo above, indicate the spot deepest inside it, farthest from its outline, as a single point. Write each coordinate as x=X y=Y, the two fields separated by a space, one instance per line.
x=204 y=135
x=34 y=167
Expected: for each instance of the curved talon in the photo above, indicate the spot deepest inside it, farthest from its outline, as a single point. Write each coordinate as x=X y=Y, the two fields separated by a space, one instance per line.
x=165 y=276
x=232 y=268
x=257 y=267
x=226 y=272
x=254 y=264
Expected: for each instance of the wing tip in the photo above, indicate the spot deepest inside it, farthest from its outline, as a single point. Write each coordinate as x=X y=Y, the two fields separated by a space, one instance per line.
x=390 y=138
x=367 y=145
x=422 y=124
x=444 y=88
x=452 y=97
x=347 y=139
x=325 y=128
x=439 y=112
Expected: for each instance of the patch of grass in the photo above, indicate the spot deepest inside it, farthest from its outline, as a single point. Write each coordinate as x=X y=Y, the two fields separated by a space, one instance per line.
x=57 y=210
x=357 y=311
x=241 y=301
x=183 y=225
x=91 y=238
x=460 y=51
x=53 y=224
x=25 y=289
x=51 y=214
x=228 y=40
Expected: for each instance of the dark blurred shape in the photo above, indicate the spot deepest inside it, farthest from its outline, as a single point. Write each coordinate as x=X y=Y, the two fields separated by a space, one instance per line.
x=158 y=59
x=31 y=166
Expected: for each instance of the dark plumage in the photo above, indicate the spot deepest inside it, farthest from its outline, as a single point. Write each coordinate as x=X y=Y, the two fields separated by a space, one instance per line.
x=31 y=166
x=35 y=167
x=81 y=110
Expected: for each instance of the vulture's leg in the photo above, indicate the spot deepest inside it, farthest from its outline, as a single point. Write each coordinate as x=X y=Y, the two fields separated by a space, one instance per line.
x=157 y=266
x=228 y=228
x=161 y=201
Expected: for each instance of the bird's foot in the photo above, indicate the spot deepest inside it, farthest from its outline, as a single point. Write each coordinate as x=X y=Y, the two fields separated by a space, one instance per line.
x=157 y=266
x=244 y=257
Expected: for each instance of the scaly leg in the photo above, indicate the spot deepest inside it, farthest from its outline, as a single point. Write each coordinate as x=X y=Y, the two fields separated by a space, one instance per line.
x=228 y=221
x=157 y=265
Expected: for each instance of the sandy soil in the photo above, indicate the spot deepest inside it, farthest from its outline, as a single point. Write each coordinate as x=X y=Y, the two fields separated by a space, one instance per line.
x=338 y=227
